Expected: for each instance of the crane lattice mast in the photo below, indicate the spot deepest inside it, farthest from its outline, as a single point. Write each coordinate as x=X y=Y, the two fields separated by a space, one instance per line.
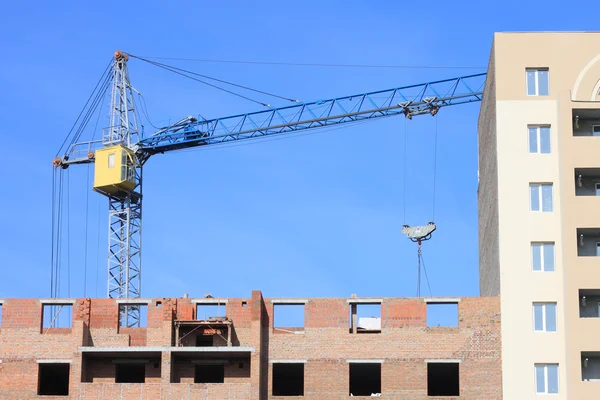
x=122 y=151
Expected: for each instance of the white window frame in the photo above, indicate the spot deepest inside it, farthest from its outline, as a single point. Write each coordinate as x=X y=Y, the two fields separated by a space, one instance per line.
x=541 y=197
x=546 y=378
x=537 y=84
x=542 y=259
x=593 y=130
x=539 y=138
x=111 y=160
x=544 y=319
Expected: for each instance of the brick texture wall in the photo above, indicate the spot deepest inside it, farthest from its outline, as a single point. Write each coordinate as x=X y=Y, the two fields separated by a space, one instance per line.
x=95 y=340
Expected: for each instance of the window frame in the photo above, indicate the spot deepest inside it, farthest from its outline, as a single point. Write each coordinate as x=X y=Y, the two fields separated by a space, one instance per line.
x=538 y=135
x=540 y=186
x=111 y=160
x=542 y=256
x=545 y=366
x=536 y=84
x=544 y=305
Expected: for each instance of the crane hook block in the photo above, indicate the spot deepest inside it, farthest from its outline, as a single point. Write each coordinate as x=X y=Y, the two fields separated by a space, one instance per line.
x=419 y=233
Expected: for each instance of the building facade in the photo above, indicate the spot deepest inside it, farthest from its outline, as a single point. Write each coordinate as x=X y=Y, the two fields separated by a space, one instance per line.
x=250 y=348
x=539 y=210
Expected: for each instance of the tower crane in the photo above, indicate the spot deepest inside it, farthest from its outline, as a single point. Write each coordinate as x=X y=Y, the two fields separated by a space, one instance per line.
x=119 y=156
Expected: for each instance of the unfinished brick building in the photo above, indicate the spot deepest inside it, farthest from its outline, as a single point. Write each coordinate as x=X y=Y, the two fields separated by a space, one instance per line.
x=214 y=349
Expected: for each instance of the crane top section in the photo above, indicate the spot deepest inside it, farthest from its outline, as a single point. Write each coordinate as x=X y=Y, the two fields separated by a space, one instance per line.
x=410 y=101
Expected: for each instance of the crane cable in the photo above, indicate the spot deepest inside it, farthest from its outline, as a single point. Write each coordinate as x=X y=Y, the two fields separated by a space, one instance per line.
x=100 y=84
x=183 y=72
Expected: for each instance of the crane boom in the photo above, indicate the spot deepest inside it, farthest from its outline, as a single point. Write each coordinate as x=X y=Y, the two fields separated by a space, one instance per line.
x=119 y=159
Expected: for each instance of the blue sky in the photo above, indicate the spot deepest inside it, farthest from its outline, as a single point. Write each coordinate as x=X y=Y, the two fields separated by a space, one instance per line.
x=313 y=215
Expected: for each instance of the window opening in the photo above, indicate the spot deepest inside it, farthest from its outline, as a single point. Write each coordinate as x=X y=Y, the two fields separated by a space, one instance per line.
x=0 y=315
x=57 y=316
x=442 y=314
x=540 y=197
x=546 y=378
x=544 y=317
x=365 y=379
x=542 y=256
x=205 y=312
x=53 y=379
x=209 y=374
x=288 y=317
x=537 y=82
x=133 y=315
x=595 y=130
x=288 y=379
x=134 y=372
x=443 y=379
x=597 y=189
x=365 y=317
x=539 y=139
x=590 y=366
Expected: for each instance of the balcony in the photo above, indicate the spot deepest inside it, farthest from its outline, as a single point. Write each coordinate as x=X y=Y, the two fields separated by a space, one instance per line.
x=586 y=122
x=589 y=303
x=590 y=366
x=587 y=181
x=588 y=242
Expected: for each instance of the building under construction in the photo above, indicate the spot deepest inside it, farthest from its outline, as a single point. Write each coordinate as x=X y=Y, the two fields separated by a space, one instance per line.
x=533 y=332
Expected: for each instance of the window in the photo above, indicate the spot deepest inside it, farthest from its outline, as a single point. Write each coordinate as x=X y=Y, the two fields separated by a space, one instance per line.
x=365 y=317
x=542 y=257
x=288 y=318
x=537 y=82
x=207 y=311
x=442 y=314
x=595 y=130
x=365 y=379
x=540 y=197
x=544 y=317
x=133 y=315
x=597 y=255
x=130 y=372
x=209 y=373
x=597 y=189
x=57 y=316
x=546 y=378
x=111 y=160
x=53 y=379
x=539 y=139
x=288 y=379
x=443 y=379
x=0 y=315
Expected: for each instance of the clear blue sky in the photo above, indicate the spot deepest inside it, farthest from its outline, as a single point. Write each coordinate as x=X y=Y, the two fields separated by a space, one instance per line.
x=314 y=215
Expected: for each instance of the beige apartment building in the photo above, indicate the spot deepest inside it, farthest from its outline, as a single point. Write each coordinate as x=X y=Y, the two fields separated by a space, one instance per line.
x=539 y=210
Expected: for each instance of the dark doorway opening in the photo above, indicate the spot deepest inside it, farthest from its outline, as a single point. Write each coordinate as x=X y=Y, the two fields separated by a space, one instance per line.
x=130 y=373
x=443 y=379
x=365 y=379
x=53 y=379
x=209 y=374
x=288 y=379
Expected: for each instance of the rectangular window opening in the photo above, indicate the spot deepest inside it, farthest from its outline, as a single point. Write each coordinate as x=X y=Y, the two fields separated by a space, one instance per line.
x=366 y=316
x=588 y=242
x=442 y=314
x=595 y=130
x=53 y=379
x=590 y=366
x=57 y=316
x=589 y=303
x=542 y=256
x=111 y=160
x=365 y=379
x=0 y=315
x=537 y=81
x=206 y=312
x=288 y=317
x=288 y=379
x=443 y=379
x=133 y=315
x=544 y=317
x=546 y=378
x=540 y=197
x=130 y=372
x=539 y=139
x=209 y=374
